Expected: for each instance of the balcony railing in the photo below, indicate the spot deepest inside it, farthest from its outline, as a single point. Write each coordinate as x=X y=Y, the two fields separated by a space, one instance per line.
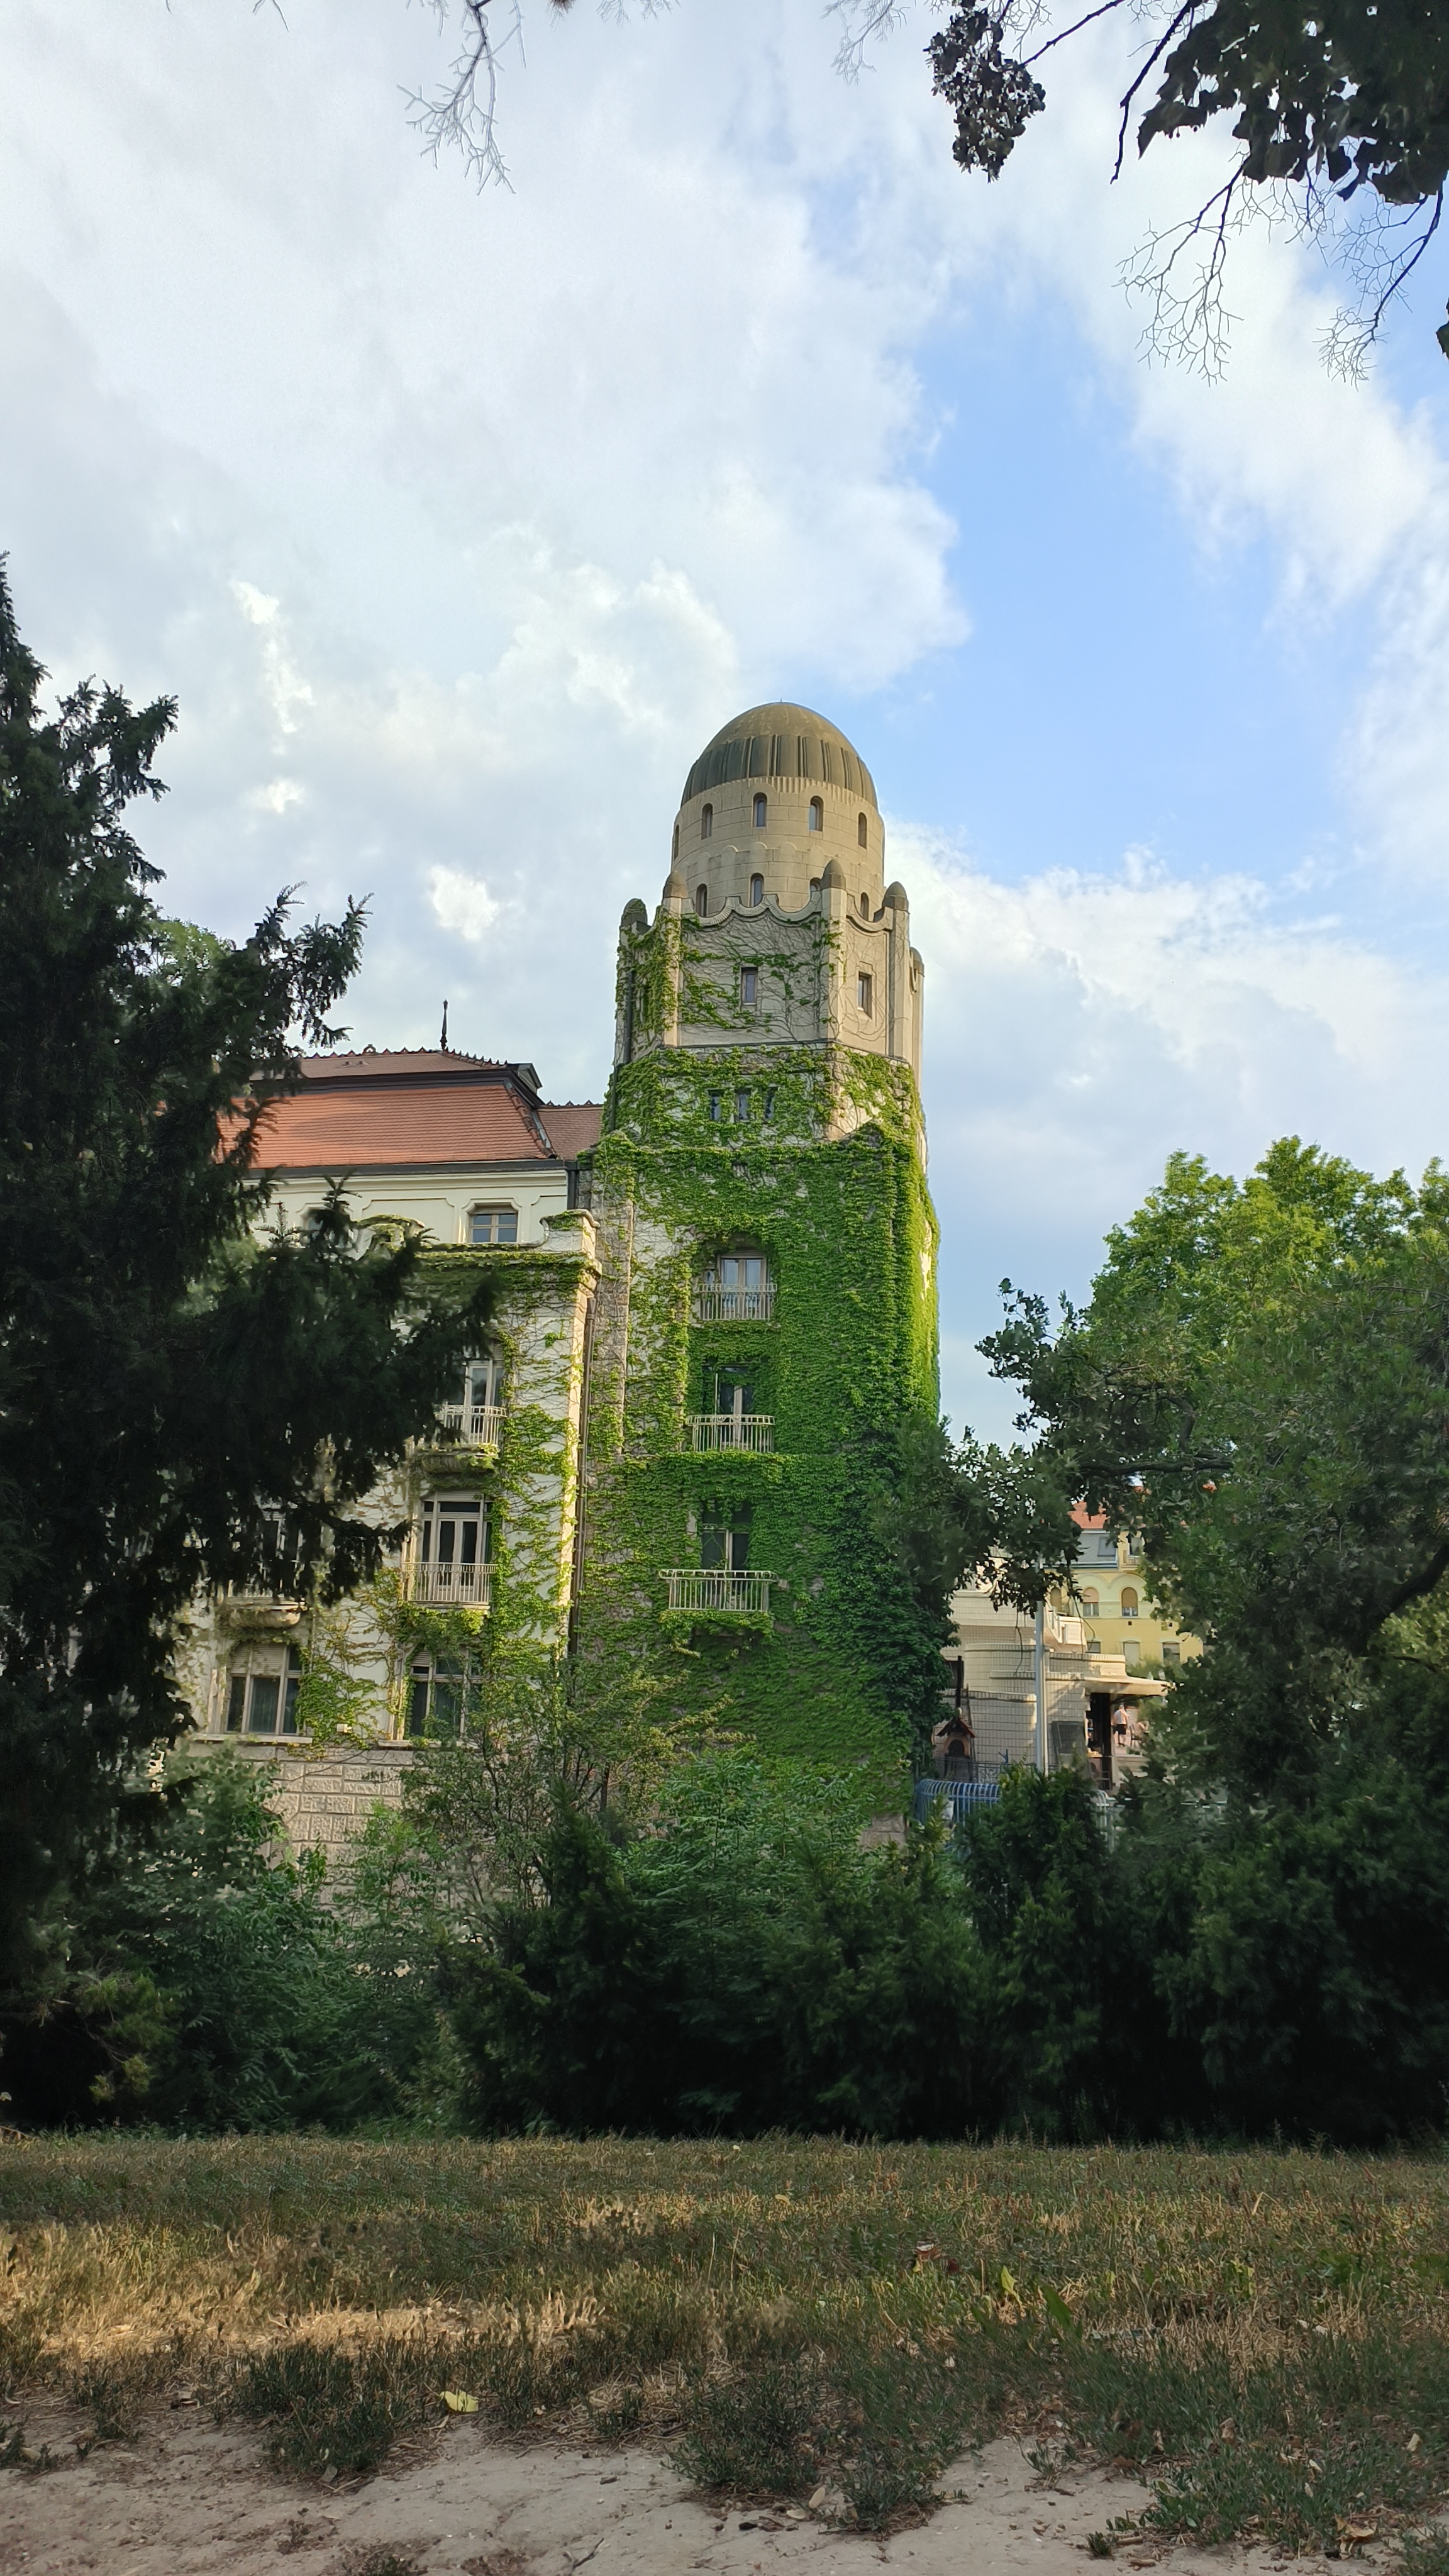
x=958 y=1797
x=719 y=1588
x=755 y=1431
x=450 y=1580
x=733 y=1305
x=473 y=1426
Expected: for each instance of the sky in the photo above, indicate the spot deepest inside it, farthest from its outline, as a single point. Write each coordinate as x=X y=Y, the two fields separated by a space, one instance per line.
x=457 y=523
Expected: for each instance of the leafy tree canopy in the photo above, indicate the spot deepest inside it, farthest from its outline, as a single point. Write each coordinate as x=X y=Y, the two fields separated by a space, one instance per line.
x=183 y=1402
x=1260 y=1387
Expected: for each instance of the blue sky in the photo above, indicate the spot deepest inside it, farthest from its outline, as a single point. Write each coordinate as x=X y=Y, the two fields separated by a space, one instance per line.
x=459 y=523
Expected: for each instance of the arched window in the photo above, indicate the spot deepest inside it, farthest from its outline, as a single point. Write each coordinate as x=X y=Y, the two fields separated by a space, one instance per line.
x=1088 y=1600
x=817 y=814
x=762 y=807
x=706 y=822
x=860 y=831
x=701 y=900
x=815 y=885
x=1129 y=1602
x=865 y=906
x=757 y=889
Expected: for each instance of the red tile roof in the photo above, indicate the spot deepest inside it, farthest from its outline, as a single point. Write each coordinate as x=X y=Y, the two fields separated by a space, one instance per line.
x=437 y=1123
x=388 y=1109
x=572 y=1124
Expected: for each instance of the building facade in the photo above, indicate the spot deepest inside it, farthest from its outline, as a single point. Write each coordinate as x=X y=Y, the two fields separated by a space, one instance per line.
x=683 y=1454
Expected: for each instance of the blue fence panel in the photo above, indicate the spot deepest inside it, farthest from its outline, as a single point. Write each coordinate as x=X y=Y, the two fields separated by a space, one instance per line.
x=958 y=1796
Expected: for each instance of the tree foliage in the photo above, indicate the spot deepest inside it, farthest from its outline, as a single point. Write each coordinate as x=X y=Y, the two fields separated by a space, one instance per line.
x=1260 y=1388
x=181 y=1404
x=1324 y=102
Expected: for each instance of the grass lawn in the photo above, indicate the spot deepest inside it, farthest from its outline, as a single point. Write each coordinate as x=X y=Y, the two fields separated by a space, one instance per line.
x=1265 y=2337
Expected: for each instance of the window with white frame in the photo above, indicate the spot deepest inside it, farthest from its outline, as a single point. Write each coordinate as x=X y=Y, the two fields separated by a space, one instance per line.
x=864 y=995
x=749 y=987
x=493 y=1225
x=437 y=1696
x=261 y=1691
x=452 y=1550
x=757 y=890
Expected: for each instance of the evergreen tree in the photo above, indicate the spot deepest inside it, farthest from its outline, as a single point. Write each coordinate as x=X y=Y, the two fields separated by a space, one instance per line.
x=174 y=1391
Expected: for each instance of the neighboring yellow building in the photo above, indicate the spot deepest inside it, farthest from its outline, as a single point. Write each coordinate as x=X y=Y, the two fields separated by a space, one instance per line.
x=1109 y=1593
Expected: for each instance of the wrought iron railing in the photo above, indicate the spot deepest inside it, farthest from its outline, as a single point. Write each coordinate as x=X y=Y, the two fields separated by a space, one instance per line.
x=718 y=1588
x=476 y=1426
x=450 y=1580
x=732 y=1431
x=733 y=1305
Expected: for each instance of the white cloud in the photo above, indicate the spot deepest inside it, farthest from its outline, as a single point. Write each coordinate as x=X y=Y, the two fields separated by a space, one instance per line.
x=1080 y=1028
x=462 y=903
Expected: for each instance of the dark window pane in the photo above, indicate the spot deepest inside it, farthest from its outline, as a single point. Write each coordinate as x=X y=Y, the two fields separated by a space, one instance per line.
x=236 y=1703
x=262 y=1715
x=507 y=1225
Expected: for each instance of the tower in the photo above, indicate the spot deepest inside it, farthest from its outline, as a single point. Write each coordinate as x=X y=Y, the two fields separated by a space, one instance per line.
x=762 y=1372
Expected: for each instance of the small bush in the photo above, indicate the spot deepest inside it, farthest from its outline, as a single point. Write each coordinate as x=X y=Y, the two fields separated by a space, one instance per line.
x=756 y=2433
x=332 y=2408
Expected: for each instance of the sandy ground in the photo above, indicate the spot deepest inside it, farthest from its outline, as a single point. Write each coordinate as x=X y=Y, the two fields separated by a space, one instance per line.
x=193 y=2499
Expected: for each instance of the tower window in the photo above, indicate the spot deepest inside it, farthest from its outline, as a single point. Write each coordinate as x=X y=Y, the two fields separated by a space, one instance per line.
x=769 y=1110
x=493 y=1225
x=701 y=900
x=757 y=889
x=749 y=987
x=714 y=1104
x=762 y=807
x=676 y=840
x=865 y=906
x=815 y=885
x=860 y=831
x=864 y=995
x=706 y=822
x=817 y=814
x=742 y=1105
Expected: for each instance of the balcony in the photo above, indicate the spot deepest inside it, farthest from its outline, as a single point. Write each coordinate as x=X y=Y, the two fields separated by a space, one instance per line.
x=701 y=1591
x=472 y=1426
x=716 y=1431
x=733 y=1305
x=450 y=1583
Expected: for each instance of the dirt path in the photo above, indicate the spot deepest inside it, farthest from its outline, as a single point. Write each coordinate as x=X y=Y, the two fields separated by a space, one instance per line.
x=192 y=2499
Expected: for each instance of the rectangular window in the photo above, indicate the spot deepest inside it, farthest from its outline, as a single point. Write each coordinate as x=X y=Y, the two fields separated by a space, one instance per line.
x=714 y=1104
x=436 y=1699
x=1171 y=1650
x=453 y=1549
x=265 y=1702
x=742 y=1104
x=863 y=994
x=724 y=1539
x=749 y=987
x=493 y=1225
x=769 y=1112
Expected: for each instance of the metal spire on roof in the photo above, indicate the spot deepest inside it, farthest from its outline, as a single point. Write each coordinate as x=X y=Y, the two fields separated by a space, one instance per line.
x=443 y=1040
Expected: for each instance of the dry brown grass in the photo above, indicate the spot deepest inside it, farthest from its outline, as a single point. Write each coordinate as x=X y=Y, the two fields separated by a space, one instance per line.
x=617 y=2282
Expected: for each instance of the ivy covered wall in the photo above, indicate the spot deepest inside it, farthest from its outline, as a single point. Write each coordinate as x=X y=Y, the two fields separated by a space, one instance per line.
x=830 y=1187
